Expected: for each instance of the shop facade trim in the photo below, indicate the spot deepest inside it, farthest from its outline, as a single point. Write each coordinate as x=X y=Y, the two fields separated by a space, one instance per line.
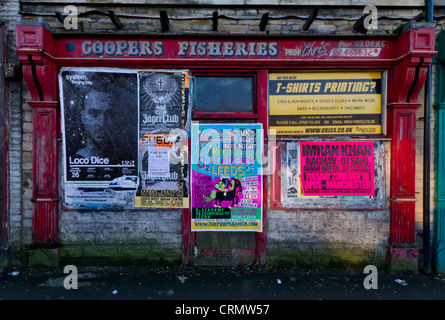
x=405 y=58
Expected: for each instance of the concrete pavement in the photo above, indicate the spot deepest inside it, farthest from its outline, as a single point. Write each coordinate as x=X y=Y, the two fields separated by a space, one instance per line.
x=213 y=292
x=212 y=283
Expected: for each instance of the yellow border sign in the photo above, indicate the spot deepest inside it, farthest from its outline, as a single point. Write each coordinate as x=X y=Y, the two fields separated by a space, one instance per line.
x=331 y=103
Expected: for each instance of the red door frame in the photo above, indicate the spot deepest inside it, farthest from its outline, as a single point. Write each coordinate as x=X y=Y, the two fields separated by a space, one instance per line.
x=260 y=115
x=406 y=58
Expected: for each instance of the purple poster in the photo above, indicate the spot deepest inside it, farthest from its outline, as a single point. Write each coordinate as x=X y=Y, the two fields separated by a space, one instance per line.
x=226 y=177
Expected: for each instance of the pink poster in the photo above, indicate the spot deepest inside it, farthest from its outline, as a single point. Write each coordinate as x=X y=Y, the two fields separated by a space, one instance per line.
x=330 y=168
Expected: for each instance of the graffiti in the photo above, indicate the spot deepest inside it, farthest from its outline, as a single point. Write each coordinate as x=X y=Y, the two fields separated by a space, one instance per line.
x=312 y=50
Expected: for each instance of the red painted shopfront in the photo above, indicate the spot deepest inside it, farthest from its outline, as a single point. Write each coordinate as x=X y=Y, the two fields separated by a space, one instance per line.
x=404 y=58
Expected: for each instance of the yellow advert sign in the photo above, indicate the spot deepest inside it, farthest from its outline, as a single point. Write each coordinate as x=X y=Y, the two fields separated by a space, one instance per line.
x=325 y=103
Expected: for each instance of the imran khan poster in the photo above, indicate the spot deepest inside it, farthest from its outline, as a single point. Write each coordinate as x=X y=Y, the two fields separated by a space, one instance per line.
x=226 y=177
x=330 y=168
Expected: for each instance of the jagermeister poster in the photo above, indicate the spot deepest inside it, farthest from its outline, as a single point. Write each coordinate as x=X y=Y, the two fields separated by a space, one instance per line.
x=163 y=122
x=226 y=177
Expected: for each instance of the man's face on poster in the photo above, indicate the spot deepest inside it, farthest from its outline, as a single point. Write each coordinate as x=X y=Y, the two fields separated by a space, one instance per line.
x=96 y=115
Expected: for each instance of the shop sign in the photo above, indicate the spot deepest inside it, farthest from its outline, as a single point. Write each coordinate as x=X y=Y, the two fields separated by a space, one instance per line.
x=330 y=103
x=226 y=177
x=203 y=49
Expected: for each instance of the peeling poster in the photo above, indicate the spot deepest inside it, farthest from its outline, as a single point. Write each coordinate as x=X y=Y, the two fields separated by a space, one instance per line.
x=164 y=117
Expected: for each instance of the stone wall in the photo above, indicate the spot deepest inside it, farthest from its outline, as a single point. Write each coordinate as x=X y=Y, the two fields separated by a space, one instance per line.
x=14 y=126
x=150 y=237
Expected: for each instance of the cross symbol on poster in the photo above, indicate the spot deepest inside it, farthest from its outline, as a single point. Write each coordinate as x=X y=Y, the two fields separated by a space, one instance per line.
x=161 y=82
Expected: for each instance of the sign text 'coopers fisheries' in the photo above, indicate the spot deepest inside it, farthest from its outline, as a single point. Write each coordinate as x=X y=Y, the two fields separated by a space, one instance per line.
x=119 y=48
x=227 y=49
x=235 y=48
x=185 y=48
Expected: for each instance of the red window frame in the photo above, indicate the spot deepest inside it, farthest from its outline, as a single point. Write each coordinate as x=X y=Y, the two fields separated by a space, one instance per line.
x=201 y=115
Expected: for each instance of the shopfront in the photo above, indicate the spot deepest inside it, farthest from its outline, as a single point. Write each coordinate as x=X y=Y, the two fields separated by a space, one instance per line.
x=236 y=149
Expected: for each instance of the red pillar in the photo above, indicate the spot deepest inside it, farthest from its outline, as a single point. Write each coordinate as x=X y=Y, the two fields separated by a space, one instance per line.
x=34 y=46
x=402 y=128
x=405 y=82
x=45 y=222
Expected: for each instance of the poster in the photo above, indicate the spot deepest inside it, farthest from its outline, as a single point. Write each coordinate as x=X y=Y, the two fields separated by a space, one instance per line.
x=124 y=137
x=163 y=98
x=99 y=110
x=330 y=168
x=164 y=118
x=226 y=177
x=329 y=103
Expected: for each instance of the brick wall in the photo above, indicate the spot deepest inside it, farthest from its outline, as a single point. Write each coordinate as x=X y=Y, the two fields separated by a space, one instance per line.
x=8 y=14
x=232 y=20
x=127 y=236
x=327 y=238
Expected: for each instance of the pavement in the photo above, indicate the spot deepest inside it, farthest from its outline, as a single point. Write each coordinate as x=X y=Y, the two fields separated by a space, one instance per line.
x=186 y=286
